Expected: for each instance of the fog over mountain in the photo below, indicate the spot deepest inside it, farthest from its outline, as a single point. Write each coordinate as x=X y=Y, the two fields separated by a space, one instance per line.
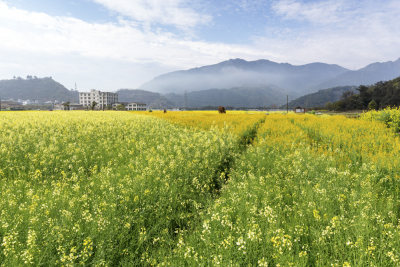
x=239 y=97
x=234 y=83
x=239 y=73
x=293 y=80
x=368 y=75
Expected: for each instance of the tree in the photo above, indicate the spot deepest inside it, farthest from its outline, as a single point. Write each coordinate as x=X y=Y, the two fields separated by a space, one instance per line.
x=347 y=94
x=221 y=109
x=93 y=105
x=66 y=105
x=379 y=95
x=364 y=96
x=120 y=107
x=372 y=105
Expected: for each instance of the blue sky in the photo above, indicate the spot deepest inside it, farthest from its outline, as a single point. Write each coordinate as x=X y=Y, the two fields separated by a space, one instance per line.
x=112 y=44
x=232 y=22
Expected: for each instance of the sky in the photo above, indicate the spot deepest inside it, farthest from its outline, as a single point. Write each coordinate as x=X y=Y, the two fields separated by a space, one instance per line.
x=114 y=44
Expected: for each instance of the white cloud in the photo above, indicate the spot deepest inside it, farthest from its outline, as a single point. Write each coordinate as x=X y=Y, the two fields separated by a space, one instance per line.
x=38 y=32
x=68 y=68
x=123 y=54
x=32 y=33
x=350 y=33
x=167 y=12
x=337 y=12
x=318 y=12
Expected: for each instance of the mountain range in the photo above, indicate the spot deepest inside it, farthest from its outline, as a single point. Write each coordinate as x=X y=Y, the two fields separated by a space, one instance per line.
x=239 y=97
x=292 y=80
x=234 y=83
x=239 y=73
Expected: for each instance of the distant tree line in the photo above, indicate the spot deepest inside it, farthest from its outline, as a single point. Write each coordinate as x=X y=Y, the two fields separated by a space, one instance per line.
x=377 y=96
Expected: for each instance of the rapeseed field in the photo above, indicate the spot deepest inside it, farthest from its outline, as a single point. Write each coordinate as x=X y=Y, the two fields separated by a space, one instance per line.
x=100 y=188
x=312 y=191
x=198 y=189
x=236 y=122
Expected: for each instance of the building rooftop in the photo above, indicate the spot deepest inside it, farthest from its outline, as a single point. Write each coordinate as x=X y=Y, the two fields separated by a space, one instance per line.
x=137 y=103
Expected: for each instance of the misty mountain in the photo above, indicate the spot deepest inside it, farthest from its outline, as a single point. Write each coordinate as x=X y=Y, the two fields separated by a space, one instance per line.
x=321 y=98
x=153 y=100
x=32 y=88
x=368 y=75
x=239 y=73
x=234 y=97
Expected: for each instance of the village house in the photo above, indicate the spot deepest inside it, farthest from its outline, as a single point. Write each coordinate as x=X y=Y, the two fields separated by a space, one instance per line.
x=71 y=106
x=133 y=106
x=136 y=106
x=299 y=110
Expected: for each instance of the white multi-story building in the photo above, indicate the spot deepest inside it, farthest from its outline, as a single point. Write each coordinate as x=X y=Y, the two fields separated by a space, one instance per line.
x=103 y=99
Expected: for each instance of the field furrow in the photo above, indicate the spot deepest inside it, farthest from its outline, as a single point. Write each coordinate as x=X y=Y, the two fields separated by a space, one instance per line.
x=106 y=188
x=299 y=199
x=198 y=189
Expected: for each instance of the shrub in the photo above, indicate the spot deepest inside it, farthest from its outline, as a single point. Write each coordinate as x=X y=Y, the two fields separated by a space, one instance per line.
x=221 y=110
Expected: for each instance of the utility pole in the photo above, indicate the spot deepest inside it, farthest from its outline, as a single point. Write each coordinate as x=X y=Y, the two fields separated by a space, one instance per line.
x=0 y=103
x=186 y=100
x=287 y=103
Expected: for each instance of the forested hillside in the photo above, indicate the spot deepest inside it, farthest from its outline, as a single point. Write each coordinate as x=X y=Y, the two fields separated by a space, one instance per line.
x=322 y=97
x=33 y=88
x=379 y=95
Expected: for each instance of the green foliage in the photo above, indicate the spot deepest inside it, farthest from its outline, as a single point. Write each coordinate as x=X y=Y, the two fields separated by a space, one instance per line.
x=384 y=94
x=120 y=107
x=93 y=105
x=389 y=116
x=115 y=189
x=66 y=105
x=321 y=98
x=372 y=105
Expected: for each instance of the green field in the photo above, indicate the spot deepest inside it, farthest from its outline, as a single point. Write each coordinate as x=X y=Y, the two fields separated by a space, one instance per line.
x=198 y=189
